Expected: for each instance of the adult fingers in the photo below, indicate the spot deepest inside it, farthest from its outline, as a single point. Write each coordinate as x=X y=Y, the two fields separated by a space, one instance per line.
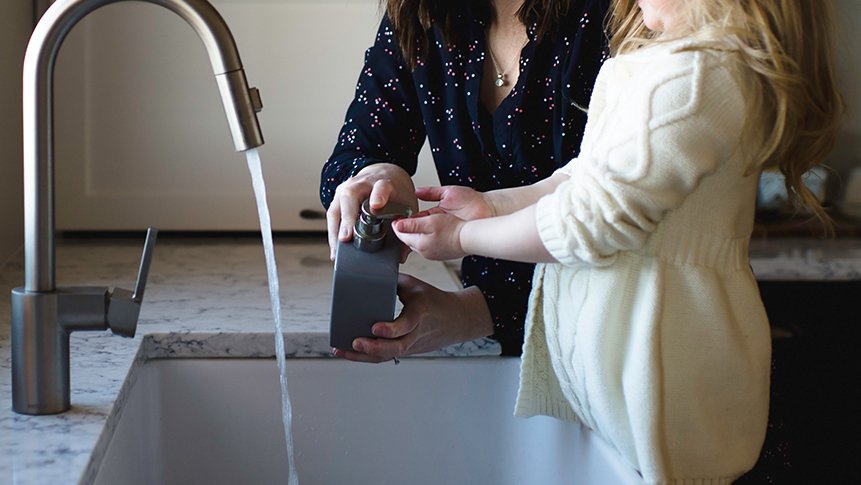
x=359 y=356
x=405 y=252
x=379 y=349
x=380 y=193
x=349 y=200
x=333 y=223
x=401 y=327
x=407 y=285
x=407 y=321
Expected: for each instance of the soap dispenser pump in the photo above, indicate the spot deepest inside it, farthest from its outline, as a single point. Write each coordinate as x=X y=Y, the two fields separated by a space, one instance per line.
x=364 y=286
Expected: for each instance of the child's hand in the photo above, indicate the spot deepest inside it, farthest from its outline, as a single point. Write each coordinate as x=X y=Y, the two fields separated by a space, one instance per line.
x=462 y=202
x=434 y=234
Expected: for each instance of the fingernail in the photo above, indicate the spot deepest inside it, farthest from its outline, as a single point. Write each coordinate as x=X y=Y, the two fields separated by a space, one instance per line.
x=378 y=331
x=342 y=233
x=358 y=347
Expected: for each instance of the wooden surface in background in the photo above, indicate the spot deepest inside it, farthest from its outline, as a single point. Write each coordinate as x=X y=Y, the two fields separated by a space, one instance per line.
x=774 y=225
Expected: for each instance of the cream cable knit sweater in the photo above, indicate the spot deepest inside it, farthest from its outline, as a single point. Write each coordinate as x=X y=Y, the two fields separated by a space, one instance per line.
x=651 y=330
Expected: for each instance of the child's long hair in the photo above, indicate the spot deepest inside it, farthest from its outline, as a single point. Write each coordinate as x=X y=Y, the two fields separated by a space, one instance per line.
x=785 y=55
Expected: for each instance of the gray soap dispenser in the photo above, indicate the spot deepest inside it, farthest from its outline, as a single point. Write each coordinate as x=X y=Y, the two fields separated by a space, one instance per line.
x=364 y=286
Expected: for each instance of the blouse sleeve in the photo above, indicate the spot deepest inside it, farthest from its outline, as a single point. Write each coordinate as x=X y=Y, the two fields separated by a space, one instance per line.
x=383 y=122
x=648 y=156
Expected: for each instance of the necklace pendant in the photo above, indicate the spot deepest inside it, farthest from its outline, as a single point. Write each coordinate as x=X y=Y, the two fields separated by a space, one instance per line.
x=500 y=80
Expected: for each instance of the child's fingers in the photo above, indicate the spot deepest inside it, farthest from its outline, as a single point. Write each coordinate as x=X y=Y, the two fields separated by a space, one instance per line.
x=428 y=212
x=413 y=225
x=412 y=235
x=423 y=213
x=430 y=194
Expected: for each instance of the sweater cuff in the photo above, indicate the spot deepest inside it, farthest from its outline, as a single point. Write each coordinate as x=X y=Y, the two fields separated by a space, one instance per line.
x=551 y=227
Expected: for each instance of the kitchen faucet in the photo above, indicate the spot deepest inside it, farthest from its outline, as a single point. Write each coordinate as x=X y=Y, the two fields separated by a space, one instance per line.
x=43 y=315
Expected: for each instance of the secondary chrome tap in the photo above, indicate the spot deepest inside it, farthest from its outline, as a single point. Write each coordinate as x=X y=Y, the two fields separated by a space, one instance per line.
x=44 y=315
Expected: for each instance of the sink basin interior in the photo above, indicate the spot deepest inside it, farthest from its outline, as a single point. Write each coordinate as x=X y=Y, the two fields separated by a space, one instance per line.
x=424 y=421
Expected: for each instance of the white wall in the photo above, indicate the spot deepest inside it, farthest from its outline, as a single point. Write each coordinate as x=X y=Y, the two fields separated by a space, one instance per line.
x=14 y=27
x=16 y=18
x=847 y=152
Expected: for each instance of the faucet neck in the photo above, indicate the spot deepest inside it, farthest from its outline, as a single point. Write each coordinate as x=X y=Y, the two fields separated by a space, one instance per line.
x=38 y=77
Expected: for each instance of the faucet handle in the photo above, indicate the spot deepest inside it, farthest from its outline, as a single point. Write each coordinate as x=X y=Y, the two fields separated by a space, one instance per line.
x=146 y=259
x=124 y=306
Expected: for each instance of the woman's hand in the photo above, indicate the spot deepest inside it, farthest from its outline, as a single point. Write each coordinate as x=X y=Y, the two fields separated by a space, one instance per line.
x=430 y=320
x=381 y=183
x=462 y=202
x=432 y=233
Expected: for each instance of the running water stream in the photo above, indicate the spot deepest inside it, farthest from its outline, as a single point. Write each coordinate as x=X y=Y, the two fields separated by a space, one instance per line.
x=254 y=167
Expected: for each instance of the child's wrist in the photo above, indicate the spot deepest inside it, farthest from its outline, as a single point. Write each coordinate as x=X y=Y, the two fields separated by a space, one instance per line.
x=463 y=238
x=491 y=202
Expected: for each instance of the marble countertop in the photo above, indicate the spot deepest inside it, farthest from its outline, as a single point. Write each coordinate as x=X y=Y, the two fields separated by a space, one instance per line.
x=806 y=259
x=207 y=297
x=204 y=298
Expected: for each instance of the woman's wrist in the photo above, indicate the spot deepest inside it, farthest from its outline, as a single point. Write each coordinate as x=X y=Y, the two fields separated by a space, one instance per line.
x=478 y=322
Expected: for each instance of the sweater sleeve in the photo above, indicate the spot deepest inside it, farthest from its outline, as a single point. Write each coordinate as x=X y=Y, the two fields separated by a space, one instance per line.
x=383 y=123
x=649 y=151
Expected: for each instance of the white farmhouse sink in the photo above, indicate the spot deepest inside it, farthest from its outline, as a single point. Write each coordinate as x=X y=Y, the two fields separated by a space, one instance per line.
x=425 y=421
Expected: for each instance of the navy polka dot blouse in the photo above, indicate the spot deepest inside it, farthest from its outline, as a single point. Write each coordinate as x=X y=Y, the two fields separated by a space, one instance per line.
x=535 y=130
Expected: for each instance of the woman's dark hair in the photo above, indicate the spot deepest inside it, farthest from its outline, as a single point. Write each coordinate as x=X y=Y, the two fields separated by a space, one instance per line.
x=412 y=19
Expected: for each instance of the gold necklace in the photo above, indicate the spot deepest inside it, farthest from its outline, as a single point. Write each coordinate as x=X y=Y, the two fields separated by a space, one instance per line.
x=501 y=74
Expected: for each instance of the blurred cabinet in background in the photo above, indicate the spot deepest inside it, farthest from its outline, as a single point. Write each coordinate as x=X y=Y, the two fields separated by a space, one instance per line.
x=141 y=135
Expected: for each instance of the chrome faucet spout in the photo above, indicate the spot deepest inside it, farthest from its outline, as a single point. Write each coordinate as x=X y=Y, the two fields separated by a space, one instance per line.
x=41 y=318
x=241 y=104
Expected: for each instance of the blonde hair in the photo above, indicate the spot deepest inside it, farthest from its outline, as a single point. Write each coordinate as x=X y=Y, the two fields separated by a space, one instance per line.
x=783 y=51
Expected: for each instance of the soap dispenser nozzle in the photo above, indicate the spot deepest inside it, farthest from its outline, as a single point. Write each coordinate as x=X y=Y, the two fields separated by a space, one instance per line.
x=370 y=230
